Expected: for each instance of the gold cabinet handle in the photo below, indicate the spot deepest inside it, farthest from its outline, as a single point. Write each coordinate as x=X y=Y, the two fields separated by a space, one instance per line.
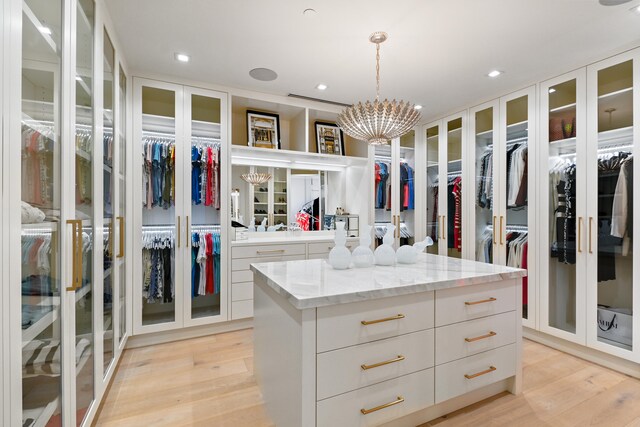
x=179 y=232
x=590 y=225
x=580 y=234
x=74 y=254
x=478 y=374
x=492 y=299
x=501 y=227
x=274 y=251
x=400 y=358
x=110 y=247
x=481 y=337
x=186 y=231
x=444 y=220
x=386 y=319
x=495 y=242
x=121 y=243
x=398 y=400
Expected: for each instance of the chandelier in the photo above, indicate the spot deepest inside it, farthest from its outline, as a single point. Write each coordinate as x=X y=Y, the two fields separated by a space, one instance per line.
x=378 y=122
x=255 y=178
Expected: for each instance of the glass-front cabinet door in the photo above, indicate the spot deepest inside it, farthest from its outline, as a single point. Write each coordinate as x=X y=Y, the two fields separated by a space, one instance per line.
x=279 y=200
x=612 y=285
x=433 y=185
x=384 y=177
x=121 y=141
x=42 y=288
x=205 y=297
x=158 y=304
x=562 y=172
x=406 y=203
x=453 y=201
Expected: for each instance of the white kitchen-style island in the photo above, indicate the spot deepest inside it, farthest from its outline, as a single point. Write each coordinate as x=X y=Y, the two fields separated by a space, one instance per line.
x=395 y=345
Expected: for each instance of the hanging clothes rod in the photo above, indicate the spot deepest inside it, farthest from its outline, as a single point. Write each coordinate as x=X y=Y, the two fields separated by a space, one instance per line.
x=521 y=228
x=513 y=141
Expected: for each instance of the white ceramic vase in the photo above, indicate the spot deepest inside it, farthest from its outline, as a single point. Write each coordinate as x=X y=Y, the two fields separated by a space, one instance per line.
x=263 y=225
x=340 y=257
x=385 y=255
x=409 y=254
x=252 y=225
x=362 y=256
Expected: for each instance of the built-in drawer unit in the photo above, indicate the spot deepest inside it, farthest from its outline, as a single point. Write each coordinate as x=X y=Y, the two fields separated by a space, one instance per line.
x=472 y=302
x=474 y=336
x=464 y=375
x=379 y=403
x=241 y=309
x=268 y=250
x=342 y=325
x=325 y=247
x=354 y=367
x=240 y=264
x=241 y=291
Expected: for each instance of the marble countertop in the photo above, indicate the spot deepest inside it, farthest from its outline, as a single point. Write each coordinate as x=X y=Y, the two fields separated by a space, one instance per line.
x=257 y=238
x=314 y=283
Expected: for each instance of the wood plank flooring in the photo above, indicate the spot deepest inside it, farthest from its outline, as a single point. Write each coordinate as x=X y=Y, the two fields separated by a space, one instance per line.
x=209 y=382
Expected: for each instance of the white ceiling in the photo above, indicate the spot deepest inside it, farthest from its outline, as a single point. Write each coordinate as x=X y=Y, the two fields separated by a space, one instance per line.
x=437 y=55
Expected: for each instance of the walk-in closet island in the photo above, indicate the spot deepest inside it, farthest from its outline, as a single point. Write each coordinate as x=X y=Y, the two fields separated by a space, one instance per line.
x=400 y=345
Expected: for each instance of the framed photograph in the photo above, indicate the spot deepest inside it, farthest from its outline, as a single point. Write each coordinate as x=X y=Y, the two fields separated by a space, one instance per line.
x=263 y=129
x=329 y=139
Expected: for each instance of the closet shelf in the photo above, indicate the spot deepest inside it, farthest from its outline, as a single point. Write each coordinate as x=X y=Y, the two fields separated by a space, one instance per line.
x=562 y=108
x=253 y=156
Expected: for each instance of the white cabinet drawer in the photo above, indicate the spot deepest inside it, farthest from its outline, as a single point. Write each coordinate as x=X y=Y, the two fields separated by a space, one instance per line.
x=412 y=392
x=241 y=276
x=353 y=367
x=325 y=247
x=343 y=325
x=242 y=291
x=475 y=336
x=241 y=309
x=471 y=302
x=264 y=251
x=238 y=264
x=464 y=375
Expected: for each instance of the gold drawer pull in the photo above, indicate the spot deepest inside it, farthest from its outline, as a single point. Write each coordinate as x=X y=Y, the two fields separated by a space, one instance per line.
x=492 y=299
x=400 y=399
x=274 y=251
x=386 y=319
x=400 y=358
x=481 y=337
x=486 y=371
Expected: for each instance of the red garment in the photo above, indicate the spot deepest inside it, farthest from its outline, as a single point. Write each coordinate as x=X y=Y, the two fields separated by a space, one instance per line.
x=457 y=219
x=525 y=283
x=302 y=218
x=405 y=200
x=208 y=201
x=377 y=178
x=210 y=266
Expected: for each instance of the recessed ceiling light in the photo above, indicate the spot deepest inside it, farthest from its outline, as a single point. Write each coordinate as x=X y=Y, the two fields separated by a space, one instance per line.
x=552 y=90
x=45 y=30
x=635 y=9
x=322 y=86
x=263 y=74
x=494 y=73
x=309 y=12
x=182 y=57
x=418 y=107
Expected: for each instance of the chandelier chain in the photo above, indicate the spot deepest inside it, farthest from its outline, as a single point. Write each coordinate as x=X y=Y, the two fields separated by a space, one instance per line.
x=377 y=71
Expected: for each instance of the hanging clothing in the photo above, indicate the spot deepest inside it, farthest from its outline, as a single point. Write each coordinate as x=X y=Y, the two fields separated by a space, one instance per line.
x=456 y=219
x=517 y=175
x=205 y=263
x=484 y=192
x=158 y=261
x=158 y=173
x=622 y=209
x=382 y=176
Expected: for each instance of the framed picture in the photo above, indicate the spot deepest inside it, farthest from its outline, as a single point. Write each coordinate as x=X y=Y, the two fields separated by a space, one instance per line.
x=263 y=129
x=329 y=139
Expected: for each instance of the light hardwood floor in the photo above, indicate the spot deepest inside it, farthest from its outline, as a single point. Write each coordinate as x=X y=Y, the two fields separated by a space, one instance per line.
x=209 y=382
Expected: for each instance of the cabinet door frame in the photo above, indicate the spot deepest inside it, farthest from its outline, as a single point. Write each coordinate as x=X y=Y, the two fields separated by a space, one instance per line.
x=429 y=217
x=186 y=267
x=543 y=241
x=592 y=208
x=138 y=84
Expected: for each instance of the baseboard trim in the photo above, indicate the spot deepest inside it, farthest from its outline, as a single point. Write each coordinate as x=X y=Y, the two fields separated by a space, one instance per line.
x=163 y=337
x=595 y=356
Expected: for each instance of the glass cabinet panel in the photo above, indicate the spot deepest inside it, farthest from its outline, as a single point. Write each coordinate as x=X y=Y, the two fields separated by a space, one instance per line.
x=516 y=234
x=159 y=205
x=261 y=198
x=562 y=190
x=205 y=206
x=122 y=201
x=613 y=226
x=454 y=188
x=382 y=191
x=280 y=197
x=108 y=185
x=85 y=162
x=406 y=205
x=41 y=194
x=433 y=171
x=484 y=183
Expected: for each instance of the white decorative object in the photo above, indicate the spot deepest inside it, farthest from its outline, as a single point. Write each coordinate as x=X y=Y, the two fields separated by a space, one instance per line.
x=409 y=254
x=340 y=257
x=275 y=227
x=363 y=255
x=263 y=226
x=252 y=225
x=385 y=255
